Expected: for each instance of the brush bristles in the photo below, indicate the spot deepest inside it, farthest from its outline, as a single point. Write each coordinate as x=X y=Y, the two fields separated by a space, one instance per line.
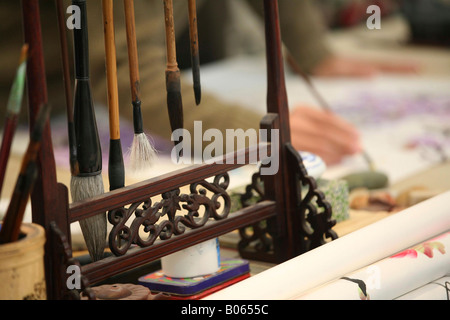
x=142 y=153
x=93 y=228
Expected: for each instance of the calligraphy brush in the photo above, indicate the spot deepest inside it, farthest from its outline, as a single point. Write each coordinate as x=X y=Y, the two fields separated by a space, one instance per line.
x=370 y=179
x=67 y=87
x=12 y=112
x=116 y=170
x=142 y=152
x=88 y=182
x=24 y=185
x=173 y=85
x=195 y=56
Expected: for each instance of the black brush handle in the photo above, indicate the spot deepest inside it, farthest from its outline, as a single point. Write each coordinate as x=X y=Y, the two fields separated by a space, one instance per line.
x=196 y=78
x=174 y=99
x=81 y=41
x=116 y=166
x=137 y=117
x=86 y=133
x=88 y=149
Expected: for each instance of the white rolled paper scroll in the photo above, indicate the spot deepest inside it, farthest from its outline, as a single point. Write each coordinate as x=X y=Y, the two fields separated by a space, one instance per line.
x=353 y=251
x=391 y=277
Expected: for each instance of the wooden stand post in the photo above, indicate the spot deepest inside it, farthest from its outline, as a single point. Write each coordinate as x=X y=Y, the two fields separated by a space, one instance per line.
x=49 y=199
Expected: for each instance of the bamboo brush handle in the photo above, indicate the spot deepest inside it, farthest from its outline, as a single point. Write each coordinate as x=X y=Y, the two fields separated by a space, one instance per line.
x=111 y=69
x=193 y=27
x=132 y=49
x=293 y=64
x=172 y=64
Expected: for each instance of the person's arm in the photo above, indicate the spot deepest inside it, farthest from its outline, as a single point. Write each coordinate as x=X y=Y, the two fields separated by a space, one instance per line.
x=341 y=66
x=303 y=32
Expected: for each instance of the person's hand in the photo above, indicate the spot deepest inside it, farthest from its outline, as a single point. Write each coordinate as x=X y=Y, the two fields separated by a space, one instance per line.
x=323 y=133
x=335 y=66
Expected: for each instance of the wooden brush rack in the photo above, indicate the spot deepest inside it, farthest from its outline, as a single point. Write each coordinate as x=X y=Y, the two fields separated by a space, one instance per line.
x=293 y=224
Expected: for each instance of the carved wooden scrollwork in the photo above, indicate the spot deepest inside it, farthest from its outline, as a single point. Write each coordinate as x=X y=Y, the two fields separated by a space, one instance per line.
x=313 y=213
x=253 y=190
x=170 y=216
x=256 y=233
x=313 y=209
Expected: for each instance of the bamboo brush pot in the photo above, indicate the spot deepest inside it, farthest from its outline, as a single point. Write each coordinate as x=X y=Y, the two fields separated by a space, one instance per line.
x=22 y=274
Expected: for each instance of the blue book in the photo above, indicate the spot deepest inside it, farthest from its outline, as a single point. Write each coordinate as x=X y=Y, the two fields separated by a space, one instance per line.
x=229 y=269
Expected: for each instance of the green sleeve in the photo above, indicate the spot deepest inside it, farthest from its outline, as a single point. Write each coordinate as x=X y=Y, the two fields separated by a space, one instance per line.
x=303 y=30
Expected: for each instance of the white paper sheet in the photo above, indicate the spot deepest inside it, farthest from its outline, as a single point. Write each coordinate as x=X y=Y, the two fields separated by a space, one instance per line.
x=390 y=111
